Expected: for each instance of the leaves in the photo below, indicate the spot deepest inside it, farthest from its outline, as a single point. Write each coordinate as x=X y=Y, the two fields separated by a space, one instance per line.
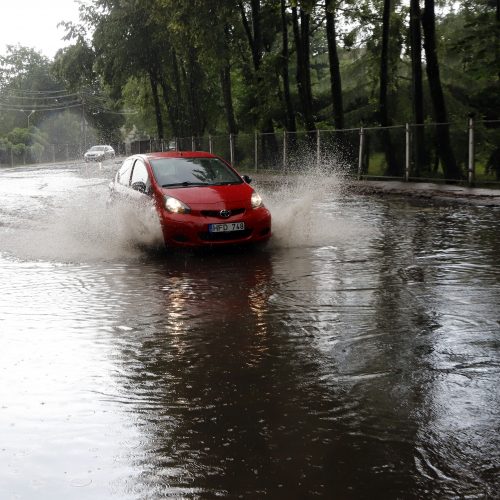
x=121 y=50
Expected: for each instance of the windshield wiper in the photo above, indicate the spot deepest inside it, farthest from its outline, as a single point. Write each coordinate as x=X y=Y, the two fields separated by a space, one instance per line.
x=185 y=184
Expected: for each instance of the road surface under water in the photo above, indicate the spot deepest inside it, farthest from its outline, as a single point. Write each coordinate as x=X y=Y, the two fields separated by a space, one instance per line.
x=355 y=356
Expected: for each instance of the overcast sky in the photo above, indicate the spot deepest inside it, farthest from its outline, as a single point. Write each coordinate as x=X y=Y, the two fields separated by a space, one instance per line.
x=33 y=23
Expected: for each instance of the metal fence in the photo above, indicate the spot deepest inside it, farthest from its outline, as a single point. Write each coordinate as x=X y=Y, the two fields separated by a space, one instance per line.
x=51 y=153
x=363 y=153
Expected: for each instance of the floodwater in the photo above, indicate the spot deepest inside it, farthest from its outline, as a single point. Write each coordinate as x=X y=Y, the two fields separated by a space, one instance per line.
x=355 y=356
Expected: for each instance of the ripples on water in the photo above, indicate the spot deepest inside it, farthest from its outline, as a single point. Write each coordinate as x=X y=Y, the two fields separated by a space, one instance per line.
x=356 y=355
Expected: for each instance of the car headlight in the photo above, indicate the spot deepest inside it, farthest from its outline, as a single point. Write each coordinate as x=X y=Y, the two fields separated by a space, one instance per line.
x=175 y=206
x=256 y=200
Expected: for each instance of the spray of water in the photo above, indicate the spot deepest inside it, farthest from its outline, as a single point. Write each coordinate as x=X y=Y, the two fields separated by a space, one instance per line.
x=305 y=203
x=84 y=228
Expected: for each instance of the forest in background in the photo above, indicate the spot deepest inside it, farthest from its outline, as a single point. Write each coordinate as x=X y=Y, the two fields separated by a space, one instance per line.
x=171 y=68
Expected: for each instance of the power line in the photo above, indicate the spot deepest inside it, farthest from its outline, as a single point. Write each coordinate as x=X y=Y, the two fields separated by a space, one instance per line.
x=5 y=107
x=20 y=100
x=38 y=96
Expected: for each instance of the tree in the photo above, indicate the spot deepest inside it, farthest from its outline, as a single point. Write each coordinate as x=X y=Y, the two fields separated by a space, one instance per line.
x=26 y=84
x=253 y=16
x=450 y=167
x=385 y=63
x=285 y=55
x=417 y=85
x=301 y=22
x=333 y=57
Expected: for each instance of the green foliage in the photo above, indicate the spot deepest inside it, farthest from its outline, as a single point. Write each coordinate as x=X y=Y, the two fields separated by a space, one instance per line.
x=136 y=94
x=74 y=65
x=63 y=128
x=23 y=141
x=23 y=67
x=19 y=136
x=123 y=50
x=471 y=39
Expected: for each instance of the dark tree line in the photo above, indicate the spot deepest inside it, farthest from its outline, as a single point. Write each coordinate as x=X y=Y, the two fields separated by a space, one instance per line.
x=231 y=66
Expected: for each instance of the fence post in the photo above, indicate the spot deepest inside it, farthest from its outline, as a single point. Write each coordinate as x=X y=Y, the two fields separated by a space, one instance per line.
x=471 y=166
x=210 y=147
x=54 y=153
x=231 y=148
x=284 y=149
x=11 y=157
x=318 y=148
x=67 y=152
x=192 y=143
x=256 y=150
x=407 y=152
x=361 y=152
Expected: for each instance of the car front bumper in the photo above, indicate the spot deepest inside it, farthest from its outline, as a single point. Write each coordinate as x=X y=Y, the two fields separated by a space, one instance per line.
x=188 y=230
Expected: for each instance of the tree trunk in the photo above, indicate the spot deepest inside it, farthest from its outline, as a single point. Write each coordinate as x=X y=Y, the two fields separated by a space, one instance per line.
x=156 y=101
x=290 y=115
x=445 y=152
x=419 y=155
x=335 y=79
x=178 y=100
x=497 y=37
x=196 y=83
x=254 y=36
x=225 y=82
x=172 y=99
x=301 y=35
x=392 y=166
x=257 y=34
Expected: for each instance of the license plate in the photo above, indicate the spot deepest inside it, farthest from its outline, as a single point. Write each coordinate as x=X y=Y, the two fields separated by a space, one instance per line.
x=226 y=227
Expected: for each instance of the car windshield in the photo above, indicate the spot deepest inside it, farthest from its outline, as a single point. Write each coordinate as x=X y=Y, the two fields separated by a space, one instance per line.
x=183 y=172
x=97 y=148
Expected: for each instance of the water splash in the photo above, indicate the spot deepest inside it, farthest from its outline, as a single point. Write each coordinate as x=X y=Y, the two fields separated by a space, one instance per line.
x=82 y=227
x=305 y=204
x=64 y=217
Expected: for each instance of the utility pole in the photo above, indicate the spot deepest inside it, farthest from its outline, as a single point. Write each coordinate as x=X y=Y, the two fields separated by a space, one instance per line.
x=32 y=111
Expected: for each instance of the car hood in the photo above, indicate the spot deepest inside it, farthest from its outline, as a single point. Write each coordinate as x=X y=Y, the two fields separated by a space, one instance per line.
x=213 y=197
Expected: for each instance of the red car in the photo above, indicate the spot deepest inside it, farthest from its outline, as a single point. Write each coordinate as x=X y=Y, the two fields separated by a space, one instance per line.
x=200 y=199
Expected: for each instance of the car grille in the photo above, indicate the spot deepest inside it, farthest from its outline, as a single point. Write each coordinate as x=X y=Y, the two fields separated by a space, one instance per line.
x=231 y=235
x=216 y=213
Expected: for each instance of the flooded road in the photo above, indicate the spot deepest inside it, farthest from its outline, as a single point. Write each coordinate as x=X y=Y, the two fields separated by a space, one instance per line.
x=356 y=356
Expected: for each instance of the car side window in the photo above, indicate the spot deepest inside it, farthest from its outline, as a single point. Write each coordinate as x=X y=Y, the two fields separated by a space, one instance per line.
x=123 y=176
x=140 y=174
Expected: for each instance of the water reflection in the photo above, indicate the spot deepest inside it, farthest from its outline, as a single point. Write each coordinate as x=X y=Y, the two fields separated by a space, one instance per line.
x=364 y=360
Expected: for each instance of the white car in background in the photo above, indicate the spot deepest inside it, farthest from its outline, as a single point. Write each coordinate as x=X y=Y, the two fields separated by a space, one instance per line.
x=99 y=153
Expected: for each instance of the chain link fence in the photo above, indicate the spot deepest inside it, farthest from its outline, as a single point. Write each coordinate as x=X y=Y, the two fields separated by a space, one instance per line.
x=407 y=152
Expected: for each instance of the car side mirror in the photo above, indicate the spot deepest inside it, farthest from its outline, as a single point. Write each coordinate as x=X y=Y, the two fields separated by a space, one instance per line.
x=247 y=179
x=139 y=186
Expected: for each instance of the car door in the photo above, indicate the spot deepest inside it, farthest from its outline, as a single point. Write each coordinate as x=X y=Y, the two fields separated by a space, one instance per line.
x=120 y=187
x=142 y=216
x=139 y=180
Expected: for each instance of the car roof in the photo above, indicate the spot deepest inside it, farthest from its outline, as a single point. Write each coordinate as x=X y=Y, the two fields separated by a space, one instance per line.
x=179 y=154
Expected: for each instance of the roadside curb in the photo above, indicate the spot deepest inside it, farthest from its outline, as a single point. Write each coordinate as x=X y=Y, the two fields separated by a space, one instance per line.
x=427 y=190
x=421 y=190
